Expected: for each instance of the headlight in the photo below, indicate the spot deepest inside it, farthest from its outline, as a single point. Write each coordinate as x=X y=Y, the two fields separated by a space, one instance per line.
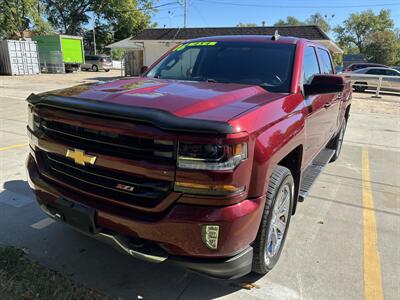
x=211 y=156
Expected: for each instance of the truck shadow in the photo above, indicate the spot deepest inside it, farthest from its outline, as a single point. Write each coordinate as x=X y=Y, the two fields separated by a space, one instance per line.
x=94 y=264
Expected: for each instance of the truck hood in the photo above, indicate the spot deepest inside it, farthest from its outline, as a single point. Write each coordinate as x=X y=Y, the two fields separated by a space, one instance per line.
x=188 y=99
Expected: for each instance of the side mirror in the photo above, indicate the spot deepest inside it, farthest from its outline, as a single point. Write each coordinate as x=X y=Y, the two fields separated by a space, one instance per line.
x=324 y=84
x=143 y=70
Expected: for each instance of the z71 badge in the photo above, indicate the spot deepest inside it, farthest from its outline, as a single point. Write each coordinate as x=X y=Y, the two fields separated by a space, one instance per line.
x=125 y=187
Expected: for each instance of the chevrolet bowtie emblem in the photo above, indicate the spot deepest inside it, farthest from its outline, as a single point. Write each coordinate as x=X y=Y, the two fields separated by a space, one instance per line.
x=80 y=157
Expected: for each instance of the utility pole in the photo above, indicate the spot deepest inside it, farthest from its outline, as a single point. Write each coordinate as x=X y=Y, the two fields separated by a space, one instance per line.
x=185 y=13
x=94 y=36
x=94 y=41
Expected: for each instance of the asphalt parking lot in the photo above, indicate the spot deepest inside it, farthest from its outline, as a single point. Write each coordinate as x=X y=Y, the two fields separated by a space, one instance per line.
x=343 y=242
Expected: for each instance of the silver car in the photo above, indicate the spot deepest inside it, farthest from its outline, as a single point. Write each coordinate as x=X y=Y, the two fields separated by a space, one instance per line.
x=368 y=78
x=97 y=62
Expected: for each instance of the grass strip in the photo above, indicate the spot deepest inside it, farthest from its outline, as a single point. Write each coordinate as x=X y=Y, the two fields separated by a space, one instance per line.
x=21 y=278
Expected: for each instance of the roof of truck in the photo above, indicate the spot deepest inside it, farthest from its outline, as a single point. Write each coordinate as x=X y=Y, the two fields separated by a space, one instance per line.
x=248 y=38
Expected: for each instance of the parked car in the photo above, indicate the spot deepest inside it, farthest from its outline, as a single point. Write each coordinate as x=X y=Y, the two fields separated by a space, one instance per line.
x=97 y=62
x=389 y=83
x=202 y=160
x=358 y=66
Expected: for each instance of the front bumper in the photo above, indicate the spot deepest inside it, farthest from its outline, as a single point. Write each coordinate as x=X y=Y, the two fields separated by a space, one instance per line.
x=175 y=236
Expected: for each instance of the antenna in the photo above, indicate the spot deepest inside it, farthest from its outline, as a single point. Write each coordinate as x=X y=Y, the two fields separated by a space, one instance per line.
x=276 y=36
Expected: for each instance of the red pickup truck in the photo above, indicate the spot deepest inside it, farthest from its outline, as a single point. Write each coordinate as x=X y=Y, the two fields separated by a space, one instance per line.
x=200 y=161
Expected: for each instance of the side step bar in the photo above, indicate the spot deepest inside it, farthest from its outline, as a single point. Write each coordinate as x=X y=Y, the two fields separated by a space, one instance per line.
x=313 y=170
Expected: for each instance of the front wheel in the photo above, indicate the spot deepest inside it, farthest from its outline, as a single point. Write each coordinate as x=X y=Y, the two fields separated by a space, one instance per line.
x=275 y=221
x=107 y=70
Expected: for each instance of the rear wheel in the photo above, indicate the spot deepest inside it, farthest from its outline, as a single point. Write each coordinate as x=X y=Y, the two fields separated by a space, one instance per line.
x=275 y=221
x=337 y=142
x=107 y=70
x=95 y=68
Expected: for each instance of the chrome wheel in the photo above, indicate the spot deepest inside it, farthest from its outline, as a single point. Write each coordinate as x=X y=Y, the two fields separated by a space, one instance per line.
x=279 y=221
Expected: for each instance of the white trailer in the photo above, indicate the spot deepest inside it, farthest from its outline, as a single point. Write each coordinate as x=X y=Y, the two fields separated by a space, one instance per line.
x=19 y=58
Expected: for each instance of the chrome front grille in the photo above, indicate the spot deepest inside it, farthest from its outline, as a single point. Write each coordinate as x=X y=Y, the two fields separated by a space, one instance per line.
x=106 y=183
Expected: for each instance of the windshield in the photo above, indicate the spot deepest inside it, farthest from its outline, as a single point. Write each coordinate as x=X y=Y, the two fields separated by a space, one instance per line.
x=268 y=65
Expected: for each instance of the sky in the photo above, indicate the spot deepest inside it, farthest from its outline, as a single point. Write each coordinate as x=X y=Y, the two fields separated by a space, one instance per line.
x=220 y=13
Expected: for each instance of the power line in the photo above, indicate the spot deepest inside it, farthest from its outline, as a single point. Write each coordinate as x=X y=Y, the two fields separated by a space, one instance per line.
x=157 y=6
x=298 y=6
x=200 y=14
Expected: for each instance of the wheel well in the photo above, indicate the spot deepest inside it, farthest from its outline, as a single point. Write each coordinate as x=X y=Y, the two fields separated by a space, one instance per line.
x=292 y=161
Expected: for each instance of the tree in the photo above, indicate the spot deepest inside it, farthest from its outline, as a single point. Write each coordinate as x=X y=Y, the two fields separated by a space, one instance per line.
x=383 y=47
x=359 y=26
x=19 y=16
x=319 y=20
x=68 y=16
x=113 y=19
x=290 y=20
x=246 y=25
x=125 y=17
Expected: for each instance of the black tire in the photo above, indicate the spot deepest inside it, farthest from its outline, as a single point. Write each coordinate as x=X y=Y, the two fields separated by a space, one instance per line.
x=360 y=87
x=95 y=68
x=107 y=70
x=337 y=142
x=280 y=180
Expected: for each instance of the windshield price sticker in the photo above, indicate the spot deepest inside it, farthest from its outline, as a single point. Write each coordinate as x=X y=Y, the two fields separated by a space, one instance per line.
x=195 y=44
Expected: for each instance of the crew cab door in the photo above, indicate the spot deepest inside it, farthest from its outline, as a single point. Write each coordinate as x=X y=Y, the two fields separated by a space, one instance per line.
x=331 y=101
x=317 y=123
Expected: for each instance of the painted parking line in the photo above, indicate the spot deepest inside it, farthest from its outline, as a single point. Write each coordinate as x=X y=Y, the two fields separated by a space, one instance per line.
x=372 y=264
x=43 y=223
x=13 y=146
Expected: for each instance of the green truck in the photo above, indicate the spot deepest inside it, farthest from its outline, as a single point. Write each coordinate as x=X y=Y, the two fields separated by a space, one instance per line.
x=60 y=53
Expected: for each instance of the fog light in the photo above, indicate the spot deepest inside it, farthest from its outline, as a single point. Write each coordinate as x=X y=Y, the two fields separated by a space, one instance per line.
x=210 y=234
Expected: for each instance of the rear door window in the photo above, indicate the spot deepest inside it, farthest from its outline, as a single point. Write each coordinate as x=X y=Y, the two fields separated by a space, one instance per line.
x=326 y=63
x=310 y=65
x=376 y=72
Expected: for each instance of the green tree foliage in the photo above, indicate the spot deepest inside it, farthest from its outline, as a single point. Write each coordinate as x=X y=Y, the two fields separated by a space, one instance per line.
x=19 y=16
x=383 y=47
x=359 y=26
x=117 y=53
x=314 y=19
x=125 y=17
x=319 y=20
x=290 y=20
x=113 y=19
x=337 y=59
x=68 y=16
